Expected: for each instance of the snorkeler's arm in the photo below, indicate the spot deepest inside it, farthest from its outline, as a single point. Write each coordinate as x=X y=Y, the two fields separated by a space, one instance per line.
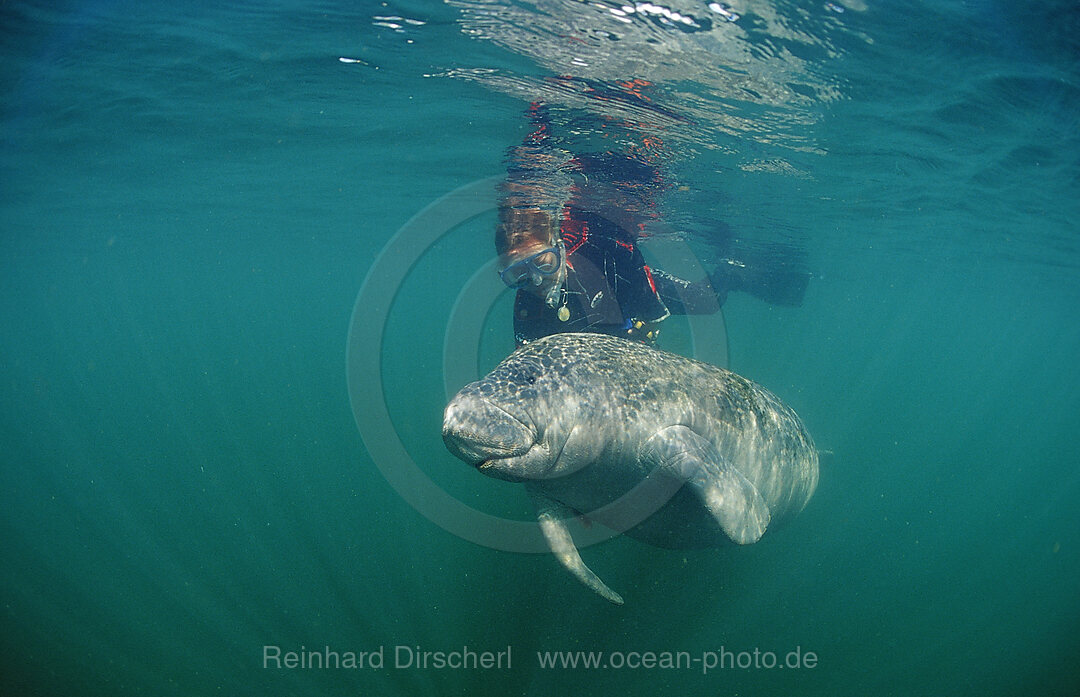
x=683 y=297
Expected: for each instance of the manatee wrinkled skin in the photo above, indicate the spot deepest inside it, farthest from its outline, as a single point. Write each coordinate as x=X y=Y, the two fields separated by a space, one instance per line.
x=668 y=450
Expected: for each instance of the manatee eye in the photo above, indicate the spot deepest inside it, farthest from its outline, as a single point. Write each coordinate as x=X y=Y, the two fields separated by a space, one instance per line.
x=528 y=377
x=524 y=373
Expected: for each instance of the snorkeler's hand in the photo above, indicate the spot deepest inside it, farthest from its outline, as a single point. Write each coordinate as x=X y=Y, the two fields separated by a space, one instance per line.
x=643 y=331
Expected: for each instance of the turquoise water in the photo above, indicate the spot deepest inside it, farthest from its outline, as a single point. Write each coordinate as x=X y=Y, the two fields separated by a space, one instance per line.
x=192 y=197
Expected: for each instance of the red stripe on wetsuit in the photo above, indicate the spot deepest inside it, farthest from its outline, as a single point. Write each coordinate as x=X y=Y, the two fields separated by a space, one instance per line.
x=648 y=275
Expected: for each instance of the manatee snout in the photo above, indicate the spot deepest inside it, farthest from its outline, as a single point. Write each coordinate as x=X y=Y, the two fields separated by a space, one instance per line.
x=475 y=430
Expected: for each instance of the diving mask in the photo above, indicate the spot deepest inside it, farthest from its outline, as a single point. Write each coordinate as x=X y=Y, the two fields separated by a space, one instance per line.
x=533 y=269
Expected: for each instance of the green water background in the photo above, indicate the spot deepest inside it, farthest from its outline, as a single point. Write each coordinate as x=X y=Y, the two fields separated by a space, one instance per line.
x=191 y=198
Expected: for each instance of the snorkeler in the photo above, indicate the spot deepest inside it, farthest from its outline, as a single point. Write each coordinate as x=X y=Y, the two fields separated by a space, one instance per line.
x=588 y=276
x=567 y=239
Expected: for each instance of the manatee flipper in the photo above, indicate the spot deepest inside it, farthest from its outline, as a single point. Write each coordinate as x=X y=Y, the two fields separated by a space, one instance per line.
x=550 y=514
x=732 y=500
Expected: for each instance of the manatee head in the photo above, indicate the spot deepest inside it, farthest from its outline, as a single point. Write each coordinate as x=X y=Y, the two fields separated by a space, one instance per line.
x=532 y=417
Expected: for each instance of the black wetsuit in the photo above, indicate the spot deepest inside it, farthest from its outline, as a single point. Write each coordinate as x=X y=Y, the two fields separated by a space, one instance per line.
x=609 y=288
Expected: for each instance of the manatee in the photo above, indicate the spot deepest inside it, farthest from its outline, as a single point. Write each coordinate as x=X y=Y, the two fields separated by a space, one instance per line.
x=665 y=449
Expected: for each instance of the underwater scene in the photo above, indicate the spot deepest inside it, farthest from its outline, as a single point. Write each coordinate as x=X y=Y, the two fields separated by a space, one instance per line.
x=267 y=429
